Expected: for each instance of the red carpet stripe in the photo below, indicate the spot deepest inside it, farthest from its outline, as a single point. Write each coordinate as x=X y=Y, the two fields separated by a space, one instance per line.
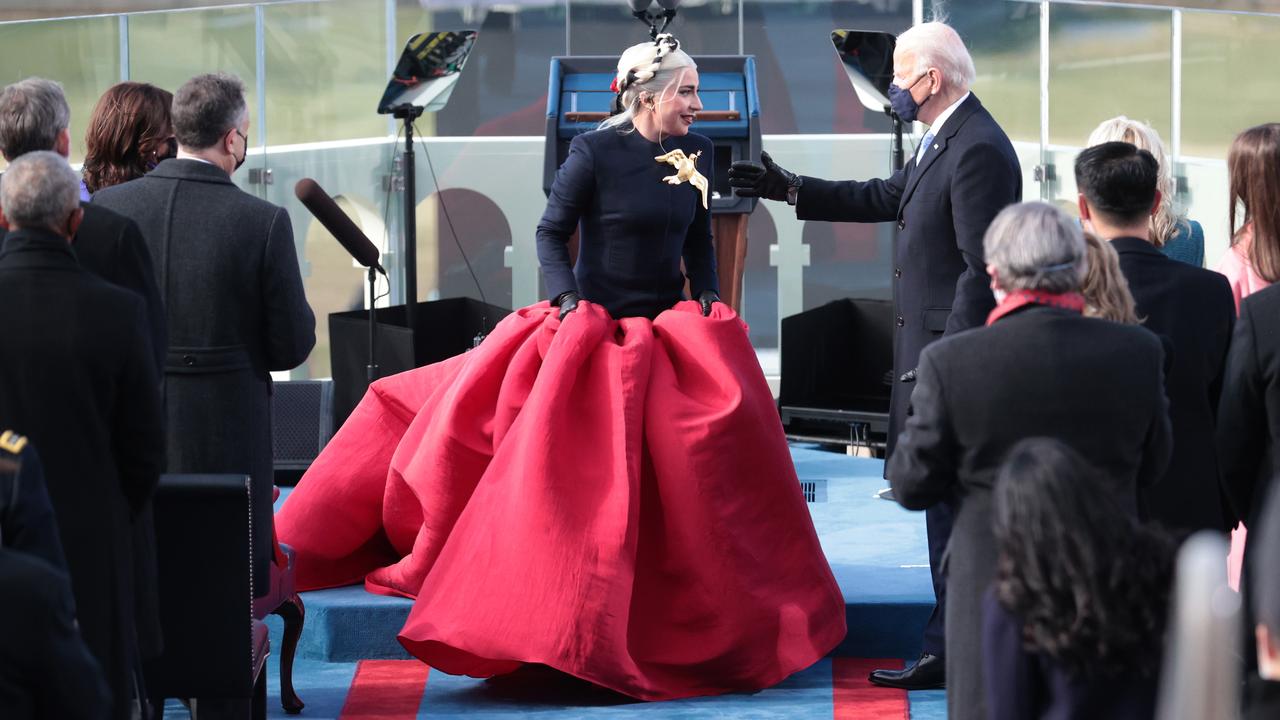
x=856 y=698
x=386 y=690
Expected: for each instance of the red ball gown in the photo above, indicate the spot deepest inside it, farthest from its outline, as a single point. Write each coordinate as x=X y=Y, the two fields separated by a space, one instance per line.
x=613 y=498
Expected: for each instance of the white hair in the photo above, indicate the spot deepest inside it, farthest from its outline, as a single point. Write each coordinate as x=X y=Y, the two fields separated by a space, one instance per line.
x=1170 y=216
x=39 y=190
x=1036 y=246
x=936 y=44
x=646 y=71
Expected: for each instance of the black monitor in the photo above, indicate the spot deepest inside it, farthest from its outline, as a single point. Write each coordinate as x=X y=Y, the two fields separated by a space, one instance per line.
x=429 y=68
x=867 y=59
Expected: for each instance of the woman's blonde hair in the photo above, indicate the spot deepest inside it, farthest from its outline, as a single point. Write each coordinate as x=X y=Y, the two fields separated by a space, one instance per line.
x=1170 y=216
x=1106 y=292
x=646 y=71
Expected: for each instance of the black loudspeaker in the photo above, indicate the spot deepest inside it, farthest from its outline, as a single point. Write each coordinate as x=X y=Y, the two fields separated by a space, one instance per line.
x=444 y=328
x=837 y=371
x=301 y=422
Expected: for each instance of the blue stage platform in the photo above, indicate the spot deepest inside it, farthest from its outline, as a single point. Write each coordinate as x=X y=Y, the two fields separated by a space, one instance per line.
x=876 y=549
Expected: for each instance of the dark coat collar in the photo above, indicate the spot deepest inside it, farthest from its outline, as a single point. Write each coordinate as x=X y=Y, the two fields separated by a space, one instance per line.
x=37 y=248
x=1135 y=245
x=962 y=113
x=186 y=169
x=1033 y=310
x=952 y=126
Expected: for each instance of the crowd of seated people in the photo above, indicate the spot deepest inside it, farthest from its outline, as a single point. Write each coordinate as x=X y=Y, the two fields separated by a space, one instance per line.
x=1120 y=398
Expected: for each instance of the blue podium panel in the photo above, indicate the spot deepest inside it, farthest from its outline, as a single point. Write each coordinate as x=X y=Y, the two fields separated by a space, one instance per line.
x=578 y=98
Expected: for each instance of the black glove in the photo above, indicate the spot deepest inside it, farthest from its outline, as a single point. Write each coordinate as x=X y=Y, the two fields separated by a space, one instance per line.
x=568 y=302
x=761 y=179
x=706 y=297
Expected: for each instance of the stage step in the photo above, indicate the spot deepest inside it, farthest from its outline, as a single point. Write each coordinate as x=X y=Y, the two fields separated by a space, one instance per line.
x=876 y=549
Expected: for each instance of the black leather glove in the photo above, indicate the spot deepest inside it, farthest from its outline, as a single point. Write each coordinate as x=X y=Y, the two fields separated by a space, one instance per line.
x=761 y=179
x=706 y=297
x=568 y=303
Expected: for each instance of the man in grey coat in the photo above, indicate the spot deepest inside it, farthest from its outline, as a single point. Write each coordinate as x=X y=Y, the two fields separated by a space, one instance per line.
x=1039 y=368
x=228 y=271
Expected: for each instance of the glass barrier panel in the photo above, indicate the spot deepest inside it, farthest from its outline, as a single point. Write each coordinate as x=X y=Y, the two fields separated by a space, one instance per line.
x=1104 y=62
x=1004 y=40
x=1206 y=203
x=817 y=262
x=803 y=88
x=503 y=88
x=597 y=28
x=1225 y=86
x=83 y=54
x=354 y=175
x=326 y=68
x=167 y=49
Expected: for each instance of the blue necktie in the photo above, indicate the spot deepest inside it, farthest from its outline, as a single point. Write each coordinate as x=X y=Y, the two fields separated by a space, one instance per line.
x=924 y=146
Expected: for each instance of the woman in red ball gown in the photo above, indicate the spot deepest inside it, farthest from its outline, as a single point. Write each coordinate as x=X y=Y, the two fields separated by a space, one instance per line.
x=603 y=486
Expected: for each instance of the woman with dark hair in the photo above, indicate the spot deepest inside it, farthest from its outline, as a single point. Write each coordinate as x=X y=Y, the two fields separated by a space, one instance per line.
x=1253 y=169
x=1253 y=260
x=129 y=134
x=1073 y=623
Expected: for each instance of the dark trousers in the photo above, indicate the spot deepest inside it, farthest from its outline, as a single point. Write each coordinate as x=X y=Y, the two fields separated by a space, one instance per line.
x=937 y=522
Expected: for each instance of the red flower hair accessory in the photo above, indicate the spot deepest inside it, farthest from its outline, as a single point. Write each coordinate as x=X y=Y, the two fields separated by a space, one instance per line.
x=614 y=86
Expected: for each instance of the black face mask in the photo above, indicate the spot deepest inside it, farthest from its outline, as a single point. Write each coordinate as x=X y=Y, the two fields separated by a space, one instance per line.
x=169 y=152
x=245 y=155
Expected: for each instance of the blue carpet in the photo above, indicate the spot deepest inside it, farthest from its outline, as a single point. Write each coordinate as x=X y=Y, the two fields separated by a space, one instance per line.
x=876 y=549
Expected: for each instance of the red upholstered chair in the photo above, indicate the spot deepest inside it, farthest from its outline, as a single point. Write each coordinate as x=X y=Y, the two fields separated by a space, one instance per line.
x=282 y=599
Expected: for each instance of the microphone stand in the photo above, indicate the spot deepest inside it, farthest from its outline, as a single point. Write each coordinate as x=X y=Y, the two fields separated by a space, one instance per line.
x=409 y=113
x=666 y=17
x=371 y=370
x=899 y=159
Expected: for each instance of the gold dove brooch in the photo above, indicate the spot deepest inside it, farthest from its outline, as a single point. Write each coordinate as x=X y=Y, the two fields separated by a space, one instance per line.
x=686 y=171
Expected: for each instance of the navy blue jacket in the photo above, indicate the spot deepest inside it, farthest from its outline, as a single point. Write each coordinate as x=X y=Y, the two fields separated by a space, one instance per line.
x=1193 y=308
x=942 y=208
x=1022 y=685
x=1248 y=431
x=635 y=228
x=45 y=669
x=27 y=522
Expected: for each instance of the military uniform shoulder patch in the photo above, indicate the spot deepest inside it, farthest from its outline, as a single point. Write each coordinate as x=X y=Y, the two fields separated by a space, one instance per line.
x=12 y=442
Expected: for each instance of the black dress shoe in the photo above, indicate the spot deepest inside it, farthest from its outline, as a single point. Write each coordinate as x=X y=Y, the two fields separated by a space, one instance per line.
x=927 y=673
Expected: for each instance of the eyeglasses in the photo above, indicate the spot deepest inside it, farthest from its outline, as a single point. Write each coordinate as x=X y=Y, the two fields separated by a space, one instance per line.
x=916 y=82
x=245 y=138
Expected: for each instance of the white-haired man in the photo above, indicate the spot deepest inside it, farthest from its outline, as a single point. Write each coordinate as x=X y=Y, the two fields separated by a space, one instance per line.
x=964 y=171
x=77 y=375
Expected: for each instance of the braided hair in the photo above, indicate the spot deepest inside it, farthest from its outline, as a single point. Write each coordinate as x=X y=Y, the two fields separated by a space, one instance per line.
x=645 y=71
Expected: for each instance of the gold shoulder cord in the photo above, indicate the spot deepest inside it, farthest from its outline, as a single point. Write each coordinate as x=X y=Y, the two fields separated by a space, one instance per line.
x=11 y=441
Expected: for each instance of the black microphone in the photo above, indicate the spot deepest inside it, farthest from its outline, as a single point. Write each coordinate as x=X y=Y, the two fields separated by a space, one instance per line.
x=336 y=222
